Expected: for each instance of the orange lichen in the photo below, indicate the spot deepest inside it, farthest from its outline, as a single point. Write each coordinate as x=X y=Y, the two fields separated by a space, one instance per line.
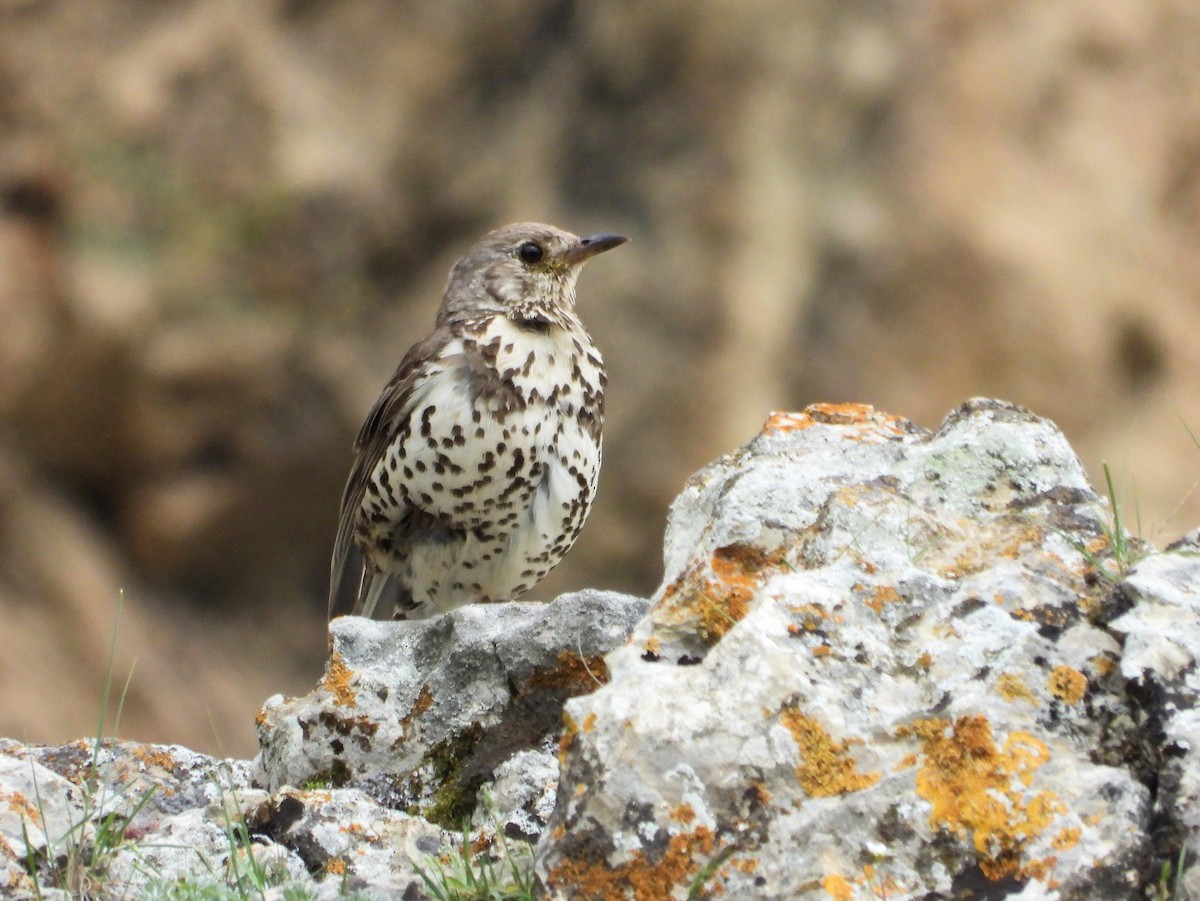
x=1030 y=534
x=720 y=611
x=653 y=645
x=646 y=880
x=1067 y=838
x=870 y=422
x=812 y=616
x=787 y=422
x=337 y=682
x=761 y=795
x=1104 y=664
x=1089 y=605
x=846 y=414
x=570 y=730
x=589 y=722
x=880 y=885
x=1067 y=683
x=715 y=594
x=822 y=650
x=574 y=674
x=1013 y=688
x=684 y=813
x=155 y=757
x=964 y=548
x=336 y=866
x=20 y=805
x=882 y=595
x=826 y=765
x=977 y=789
x=422 y=703
x=837 y=887
x=742 y=564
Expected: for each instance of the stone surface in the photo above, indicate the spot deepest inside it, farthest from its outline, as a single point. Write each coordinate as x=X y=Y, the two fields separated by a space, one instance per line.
x=1161 y=643
x=884 y=663
x=880 y=663
x=181 y=816
x=353 y=842
x=420 y=714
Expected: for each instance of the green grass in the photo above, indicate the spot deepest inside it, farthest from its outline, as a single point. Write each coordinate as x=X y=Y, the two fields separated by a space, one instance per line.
x=1170 y=879
x=78 y=860
x=1122 y=551
x=469 y=875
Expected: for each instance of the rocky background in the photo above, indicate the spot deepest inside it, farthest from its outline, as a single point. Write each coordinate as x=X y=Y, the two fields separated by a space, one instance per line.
x=222 y=222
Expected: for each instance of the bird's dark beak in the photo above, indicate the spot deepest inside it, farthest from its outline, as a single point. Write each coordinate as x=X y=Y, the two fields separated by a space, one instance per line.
x=590 y=246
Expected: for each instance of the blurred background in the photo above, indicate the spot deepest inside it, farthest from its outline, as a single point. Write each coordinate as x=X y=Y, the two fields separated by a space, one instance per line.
x=222 y=222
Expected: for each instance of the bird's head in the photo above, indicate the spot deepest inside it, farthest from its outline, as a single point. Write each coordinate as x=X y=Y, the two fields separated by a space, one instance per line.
x=525 y=271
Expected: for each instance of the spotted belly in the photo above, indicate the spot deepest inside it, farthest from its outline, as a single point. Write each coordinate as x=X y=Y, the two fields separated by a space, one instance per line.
x=468 y=506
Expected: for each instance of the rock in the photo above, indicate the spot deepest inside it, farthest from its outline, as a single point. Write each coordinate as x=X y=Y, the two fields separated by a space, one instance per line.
x=184 y=817
x=421 y=714
x=878 y=664
x=38 y=808
x=354 y=842
x=199 y=847
x=1161 y=650
x=883 y=662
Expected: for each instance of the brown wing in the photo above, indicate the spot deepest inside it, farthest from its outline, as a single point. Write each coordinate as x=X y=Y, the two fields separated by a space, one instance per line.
x=393 y=407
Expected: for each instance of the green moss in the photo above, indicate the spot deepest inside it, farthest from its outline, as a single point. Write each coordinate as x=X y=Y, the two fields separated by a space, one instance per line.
x=337 y=776
x=458 y=791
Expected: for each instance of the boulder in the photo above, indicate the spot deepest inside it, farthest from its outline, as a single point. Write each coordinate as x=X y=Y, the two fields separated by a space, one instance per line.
x=421 y=714
x=883 y=663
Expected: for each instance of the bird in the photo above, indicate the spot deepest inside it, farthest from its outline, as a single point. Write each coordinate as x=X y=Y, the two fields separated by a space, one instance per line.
x=477 y=465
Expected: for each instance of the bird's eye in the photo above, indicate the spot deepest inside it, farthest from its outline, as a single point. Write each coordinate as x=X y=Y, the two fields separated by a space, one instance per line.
x=530 y=252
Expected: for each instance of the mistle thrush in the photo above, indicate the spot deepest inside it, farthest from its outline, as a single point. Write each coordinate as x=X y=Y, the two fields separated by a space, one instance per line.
x=478 y=463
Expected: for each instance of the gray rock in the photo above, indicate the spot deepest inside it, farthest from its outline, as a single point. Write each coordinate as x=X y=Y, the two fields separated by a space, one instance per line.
x=884 y=662
x=521 y=797
x=421 y=714
x=877 y=666
x=1161 y=639
x=127 y=814
x=357 y=845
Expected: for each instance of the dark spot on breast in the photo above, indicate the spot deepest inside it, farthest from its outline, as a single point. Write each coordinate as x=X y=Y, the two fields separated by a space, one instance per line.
x=518 y=463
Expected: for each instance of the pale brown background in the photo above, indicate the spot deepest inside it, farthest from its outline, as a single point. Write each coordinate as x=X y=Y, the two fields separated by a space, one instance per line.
x=222 y=222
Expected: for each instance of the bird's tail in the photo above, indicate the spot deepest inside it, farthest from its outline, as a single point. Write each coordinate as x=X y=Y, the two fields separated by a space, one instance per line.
x=346 y=582
x=377 y=598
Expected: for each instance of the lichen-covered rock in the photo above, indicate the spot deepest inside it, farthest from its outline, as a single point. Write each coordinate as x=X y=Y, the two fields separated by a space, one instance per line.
x=173 y=816
x=1161 y=637
x=39 y=811
x=421 y=714
x=878 y=667
x=884 y=662
x=110 y=819
x=351 y=841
